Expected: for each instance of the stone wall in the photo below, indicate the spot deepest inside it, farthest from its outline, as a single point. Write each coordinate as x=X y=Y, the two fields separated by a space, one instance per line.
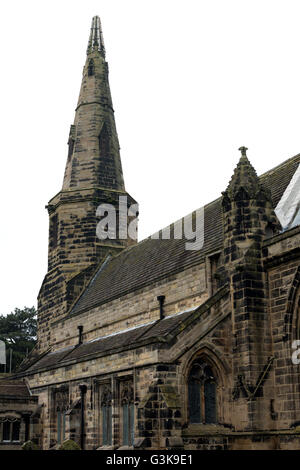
x=182 y=291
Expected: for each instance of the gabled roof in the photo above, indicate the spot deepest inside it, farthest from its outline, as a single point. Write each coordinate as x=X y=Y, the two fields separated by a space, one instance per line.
x=151 y=260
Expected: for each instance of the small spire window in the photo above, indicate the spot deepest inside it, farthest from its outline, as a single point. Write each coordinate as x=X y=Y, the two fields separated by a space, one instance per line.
x=53 y=232
x=71 y=148
x=91 y=68
x=104 y=146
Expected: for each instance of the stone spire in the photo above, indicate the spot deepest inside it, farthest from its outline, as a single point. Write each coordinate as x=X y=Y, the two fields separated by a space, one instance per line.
x=93 y=176
x=96 y=42
x=94 y=157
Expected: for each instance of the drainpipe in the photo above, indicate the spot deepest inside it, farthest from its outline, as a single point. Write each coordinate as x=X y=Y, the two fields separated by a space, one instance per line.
x=80 y=330
x=161 y=299
x=82 y=389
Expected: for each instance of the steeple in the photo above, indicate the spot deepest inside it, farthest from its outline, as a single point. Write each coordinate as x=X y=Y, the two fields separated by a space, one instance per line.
x=93 y=178
x=94 y=156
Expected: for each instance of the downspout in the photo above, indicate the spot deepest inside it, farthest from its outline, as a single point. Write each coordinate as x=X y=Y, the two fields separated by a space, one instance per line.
x=82 y=389
x=80 y=330
x=161 y=299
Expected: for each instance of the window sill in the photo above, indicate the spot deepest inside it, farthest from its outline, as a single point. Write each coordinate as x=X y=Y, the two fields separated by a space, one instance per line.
x=107 y=448
x=11 y=443
x=205 y=429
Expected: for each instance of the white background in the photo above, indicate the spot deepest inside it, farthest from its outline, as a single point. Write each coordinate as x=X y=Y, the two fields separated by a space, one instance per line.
x=191 y=82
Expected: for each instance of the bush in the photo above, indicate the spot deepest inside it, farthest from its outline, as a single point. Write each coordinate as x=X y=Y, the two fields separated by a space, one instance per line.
x=69 y=445
x=29 y=445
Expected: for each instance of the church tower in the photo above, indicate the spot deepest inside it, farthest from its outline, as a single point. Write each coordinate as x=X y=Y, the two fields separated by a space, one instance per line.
x=93 y=177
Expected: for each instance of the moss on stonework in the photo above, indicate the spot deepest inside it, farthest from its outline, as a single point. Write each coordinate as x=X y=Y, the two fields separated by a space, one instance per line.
x=29 y=445
x=69 y=445
x=170 y=396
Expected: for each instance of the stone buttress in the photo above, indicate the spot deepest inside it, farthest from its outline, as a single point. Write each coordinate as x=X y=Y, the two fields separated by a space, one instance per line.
x=248 y=219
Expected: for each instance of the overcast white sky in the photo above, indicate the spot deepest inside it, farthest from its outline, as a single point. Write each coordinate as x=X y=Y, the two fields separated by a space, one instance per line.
x=191 y=82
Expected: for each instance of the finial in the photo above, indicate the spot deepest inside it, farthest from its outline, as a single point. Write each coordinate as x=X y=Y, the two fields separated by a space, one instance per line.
x=243 y=150
x=96 y=42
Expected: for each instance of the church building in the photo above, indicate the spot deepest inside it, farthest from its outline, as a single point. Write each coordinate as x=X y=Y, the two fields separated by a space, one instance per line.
x=150 y=345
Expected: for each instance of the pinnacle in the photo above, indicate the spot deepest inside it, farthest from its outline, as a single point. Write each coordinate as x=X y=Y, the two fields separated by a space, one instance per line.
x=96 y=42
x=243 y=151
x=244 y=176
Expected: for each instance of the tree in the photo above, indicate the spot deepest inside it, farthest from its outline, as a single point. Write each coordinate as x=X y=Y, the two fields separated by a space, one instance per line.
x=18 y=331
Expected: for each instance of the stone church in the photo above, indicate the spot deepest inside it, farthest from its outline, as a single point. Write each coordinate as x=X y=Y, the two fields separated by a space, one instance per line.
x=152 y=346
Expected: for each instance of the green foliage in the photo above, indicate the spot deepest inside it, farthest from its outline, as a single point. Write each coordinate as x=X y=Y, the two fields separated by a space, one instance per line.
x=18 y=331
x=29 y=445
x=69 y=445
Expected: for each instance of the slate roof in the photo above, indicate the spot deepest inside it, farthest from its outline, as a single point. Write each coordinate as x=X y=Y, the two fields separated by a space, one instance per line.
x=151 y=260
x=13 y=388
x=147 y=333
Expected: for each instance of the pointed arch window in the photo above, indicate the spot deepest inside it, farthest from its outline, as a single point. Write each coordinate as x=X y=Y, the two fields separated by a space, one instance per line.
x=91 y=68
x=127 y=403
x=61 y=425
x=61 y=400
x=106 y=416
x=202 y=393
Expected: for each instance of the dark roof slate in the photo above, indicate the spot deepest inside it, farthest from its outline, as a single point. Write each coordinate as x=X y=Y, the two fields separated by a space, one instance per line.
x=49 y=359
x=126 y=339
x=151 y=260
x=278 y=178
x=14 y=388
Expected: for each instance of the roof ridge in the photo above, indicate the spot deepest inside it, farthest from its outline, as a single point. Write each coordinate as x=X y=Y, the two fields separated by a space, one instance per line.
x=100 y=266
x=279 y=165
x=206 y=205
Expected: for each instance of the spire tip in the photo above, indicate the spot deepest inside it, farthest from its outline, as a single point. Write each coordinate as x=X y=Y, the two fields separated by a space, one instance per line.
x=243 y=151
x=96 y=42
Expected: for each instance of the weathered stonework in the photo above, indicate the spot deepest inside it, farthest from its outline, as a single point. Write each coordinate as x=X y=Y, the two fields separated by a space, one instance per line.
x=159 y=347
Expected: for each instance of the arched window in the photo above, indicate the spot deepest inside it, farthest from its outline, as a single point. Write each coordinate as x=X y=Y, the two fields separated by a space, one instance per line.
x=106 y=416
x=10 y=429
x=91 y=68
x=202 y=396
x=127 y=402
x=61 y=400
x=61 y=425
